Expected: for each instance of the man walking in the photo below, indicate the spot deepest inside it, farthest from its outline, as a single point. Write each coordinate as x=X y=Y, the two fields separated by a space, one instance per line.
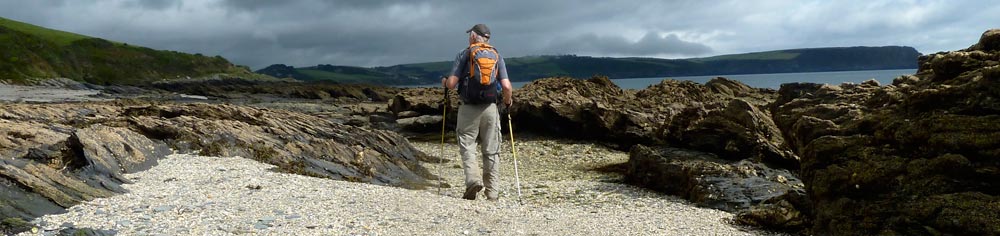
x=479 y=72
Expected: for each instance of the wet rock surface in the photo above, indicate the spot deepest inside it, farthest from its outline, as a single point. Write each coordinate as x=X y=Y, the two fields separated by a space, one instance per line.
x=706 y=179
x=918 y=157
x=57 y=155
x=789 y=212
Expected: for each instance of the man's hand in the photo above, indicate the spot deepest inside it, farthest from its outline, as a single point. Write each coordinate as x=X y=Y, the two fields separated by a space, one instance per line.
x=444 y=82
x=508 y=92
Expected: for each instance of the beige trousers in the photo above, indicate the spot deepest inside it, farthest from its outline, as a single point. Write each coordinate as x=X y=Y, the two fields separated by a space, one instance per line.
x=480 y=124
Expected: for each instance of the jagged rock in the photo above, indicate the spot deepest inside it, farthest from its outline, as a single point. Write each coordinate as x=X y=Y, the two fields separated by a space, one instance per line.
x=407 y=114
x=737 y=130
x=918 y=157
x=724 y=116
x=422 y=101
x=295 y=142
x=57 y=155
x=422 y=123
x=989 y=41
x=243 y=88
x=62 y=83
x=97 y=155
x=729 y=87
x=783 y=213
x=111 y=151
x=593 y=108
x=706 y=179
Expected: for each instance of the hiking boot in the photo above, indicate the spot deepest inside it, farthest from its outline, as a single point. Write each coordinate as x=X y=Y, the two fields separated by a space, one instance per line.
x=492 y=195
x=472 y=191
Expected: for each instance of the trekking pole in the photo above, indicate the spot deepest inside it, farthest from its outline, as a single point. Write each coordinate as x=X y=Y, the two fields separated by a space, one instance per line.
x=444 y=118
x=517 y=177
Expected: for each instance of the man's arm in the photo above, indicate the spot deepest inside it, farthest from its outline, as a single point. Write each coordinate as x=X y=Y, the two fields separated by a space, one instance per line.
x=457 y=68
x=508 y=95
x=508 y=90
x=449 y=82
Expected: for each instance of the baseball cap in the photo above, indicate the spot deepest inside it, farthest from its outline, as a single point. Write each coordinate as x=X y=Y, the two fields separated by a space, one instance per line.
x=480 y=29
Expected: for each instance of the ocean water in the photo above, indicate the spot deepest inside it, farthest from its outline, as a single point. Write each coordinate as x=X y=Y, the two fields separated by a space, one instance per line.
x=760 y=80
x=773 y=80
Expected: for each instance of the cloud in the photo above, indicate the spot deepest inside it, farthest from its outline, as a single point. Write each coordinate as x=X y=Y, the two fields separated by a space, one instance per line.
x=649 y=45
x=258 y=33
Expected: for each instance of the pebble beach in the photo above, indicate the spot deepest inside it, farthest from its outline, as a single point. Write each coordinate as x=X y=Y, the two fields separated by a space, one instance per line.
x=564 y=192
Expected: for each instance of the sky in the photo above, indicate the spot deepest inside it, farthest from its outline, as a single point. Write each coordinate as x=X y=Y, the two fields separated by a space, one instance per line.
x=258 y=33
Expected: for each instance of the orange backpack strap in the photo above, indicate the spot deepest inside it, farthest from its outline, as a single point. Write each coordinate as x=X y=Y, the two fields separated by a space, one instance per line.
x=473 y=49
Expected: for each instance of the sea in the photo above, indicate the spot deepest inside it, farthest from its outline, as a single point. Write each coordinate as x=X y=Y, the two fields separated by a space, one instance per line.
x=759 y=80
x=772 y=80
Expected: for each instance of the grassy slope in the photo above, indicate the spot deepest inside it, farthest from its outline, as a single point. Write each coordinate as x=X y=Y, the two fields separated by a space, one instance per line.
x=339 y=77
x=772 y=55
x=29 y=52
x=60 y=38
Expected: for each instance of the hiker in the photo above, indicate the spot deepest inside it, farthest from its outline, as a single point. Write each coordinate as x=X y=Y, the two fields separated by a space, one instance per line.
x=480 y=73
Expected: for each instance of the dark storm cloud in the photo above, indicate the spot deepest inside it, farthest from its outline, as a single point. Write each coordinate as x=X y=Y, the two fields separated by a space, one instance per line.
x=153 y=4
x=258 y=33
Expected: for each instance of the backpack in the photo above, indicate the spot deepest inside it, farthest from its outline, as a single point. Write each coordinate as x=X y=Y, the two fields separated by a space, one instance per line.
x=481 y=87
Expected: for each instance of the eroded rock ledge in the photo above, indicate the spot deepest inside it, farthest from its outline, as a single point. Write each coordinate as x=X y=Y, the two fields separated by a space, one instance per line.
x=57 y=155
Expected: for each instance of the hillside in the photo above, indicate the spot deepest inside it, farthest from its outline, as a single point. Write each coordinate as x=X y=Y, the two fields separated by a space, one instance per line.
x=29 y=53
x=533 y=67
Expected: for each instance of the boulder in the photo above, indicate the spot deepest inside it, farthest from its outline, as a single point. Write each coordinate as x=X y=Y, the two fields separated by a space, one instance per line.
x=989 y=41
x=787 y=213
x=736 y=130
x=706 y=179
x=914 y=158
x=424 y=123
x=675 y=113
x=422 y=101
x=728 y=87
x=407 y=114
x=593 y=108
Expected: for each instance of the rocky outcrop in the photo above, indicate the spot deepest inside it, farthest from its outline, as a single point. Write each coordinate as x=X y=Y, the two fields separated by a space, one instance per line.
x=593 y=108
x=48 y=167
x=57 y=155
x=242 y=88
x=111 y=151
x=789 y=212
x=706 y=179
x=424 y=123
x=424 y=101
x=724 y=117
x=917 y=157
x=419 y=110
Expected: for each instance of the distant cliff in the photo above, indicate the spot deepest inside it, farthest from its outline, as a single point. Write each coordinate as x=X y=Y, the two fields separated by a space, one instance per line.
x=533 y=67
